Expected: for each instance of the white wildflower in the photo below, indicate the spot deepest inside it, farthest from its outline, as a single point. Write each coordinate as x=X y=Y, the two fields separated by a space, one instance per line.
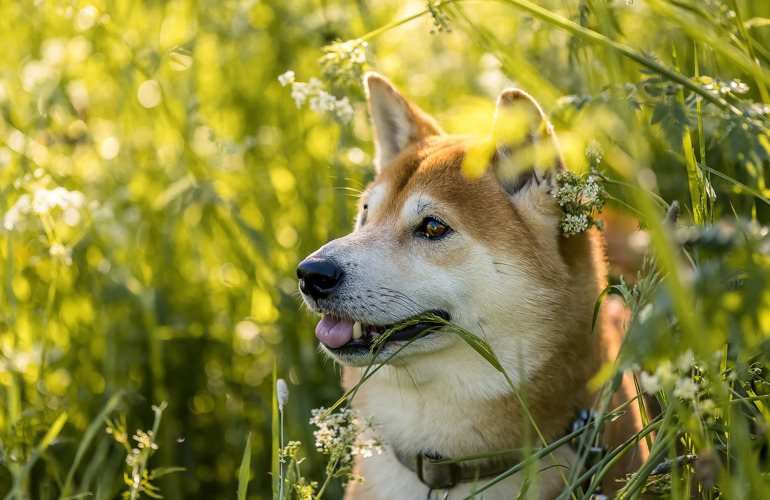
x=594 y=151
x=286 y=78
x=62 y=253
x=665 y=373
x=738 y=87
x=15 y=214
x=282 y=392
x=322 y=102
x=591 y=190
x=685 y=361
x=314 y=85
x=300 y=92
x=650 y=383
x=567 y=194
x=344 y=110
x=318 y=99
x=355 y=49
x=367 y=448
x=338 y=435
x=574 y=223
x=707 y=406
x=45 y=200
x=686 y=388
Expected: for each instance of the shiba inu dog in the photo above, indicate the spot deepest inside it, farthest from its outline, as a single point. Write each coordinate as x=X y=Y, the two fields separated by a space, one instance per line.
x=485 y=252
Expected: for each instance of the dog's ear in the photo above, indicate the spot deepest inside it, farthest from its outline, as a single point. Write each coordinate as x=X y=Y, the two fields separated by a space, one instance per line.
x=397 y=122
x=527 y=153
x=527 y=156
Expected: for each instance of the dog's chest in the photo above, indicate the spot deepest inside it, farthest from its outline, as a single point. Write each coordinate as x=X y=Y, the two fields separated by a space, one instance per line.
x=433 y=418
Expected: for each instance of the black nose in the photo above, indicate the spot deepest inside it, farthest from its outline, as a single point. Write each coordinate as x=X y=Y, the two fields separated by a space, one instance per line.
x=319 y=277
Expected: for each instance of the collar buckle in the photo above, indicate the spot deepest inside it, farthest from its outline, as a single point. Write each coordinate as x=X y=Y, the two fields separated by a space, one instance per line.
x=435 y=474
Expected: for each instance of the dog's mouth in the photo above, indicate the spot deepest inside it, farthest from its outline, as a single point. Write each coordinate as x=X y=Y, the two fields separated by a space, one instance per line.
x=339 y=334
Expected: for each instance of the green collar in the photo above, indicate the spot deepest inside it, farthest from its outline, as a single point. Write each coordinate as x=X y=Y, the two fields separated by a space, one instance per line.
x=442 y=473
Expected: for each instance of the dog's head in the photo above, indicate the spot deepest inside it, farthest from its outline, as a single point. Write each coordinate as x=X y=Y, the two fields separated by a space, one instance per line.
x=480 y=249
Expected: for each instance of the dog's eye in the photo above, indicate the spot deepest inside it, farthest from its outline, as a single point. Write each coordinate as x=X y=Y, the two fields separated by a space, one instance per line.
x=363 y=215
x=433 y=228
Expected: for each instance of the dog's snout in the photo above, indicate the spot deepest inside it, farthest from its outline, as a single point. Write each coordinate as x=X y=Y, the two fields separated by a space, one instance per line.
x=319 y=277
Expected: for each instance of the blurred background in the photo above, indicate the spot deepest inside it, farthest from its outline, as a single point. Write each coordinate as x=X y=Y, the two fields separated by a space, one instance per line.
x=172 y=185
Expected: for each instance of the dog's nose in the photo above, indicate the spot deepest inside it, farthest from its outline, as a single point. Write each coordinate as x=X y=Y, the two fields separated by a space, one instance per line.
x=319 y=277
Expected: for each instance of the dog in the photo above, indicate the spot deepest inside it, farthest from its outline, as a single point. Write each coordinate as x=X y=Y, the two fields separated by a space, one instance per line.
x=481 y=248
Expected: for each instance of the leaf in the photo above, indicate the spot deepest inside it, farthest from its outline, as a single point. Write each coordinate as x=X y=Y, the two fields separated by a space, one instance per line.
x=659 y=113
x=163 y=471
x=599 y=304
x=243 y=473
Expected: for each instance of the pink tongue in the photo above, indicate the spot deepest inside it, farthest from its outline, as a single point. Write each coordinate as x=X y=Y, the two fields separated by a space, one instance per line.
x=334 y=332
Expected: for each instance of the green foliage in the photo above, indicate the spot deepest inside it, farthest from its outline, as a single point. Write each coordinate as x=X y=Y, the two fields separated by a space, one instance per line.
x=158 y=186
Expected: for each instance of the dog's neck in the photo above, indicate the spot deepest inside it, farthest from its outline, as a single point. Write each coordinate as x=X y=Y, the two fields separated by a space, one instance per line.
x=446 y=416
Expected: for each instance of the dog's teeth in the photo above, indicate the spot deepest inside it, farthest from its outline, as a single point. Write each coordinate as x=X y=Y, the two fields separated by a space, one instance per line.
x=357 y=330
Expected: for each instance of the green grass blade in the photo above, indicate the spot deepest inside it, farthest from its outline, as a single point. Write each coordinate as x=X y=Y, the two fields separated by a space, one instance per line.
x=95 y=426
x=598 y=304
x=243 y=473
x=734 y=182
x=54 y=431
x=757 y=22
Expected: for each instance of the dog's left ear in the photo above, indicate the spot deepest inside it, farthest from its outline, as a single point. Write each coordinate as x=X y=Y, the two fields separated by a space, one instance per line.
x=397 y=121
x=527 y=157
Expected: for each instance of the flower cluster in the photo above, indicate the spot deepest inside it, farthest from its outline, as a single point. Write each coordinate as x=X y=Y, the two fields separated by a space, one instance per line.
x=139 y=478
x=344 y=63
x=579 y=196
x=338 y=435
x=145 y=439
x=717 y=87
x=42 y=202
x=594 y=152
x=682 y=379
x=440 y=20
x=304 y=489
x=318 y=99
x=574 y=223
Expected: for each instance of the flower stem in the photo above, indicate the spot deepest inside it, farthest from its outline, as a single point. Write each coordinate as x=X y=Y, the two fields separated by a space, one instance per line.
x=328 y=479
x=280 y=461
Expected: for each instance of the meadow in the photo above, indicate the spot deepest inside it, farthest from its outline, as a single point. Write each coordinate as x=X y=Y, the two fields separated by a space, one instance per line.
x=159 y=184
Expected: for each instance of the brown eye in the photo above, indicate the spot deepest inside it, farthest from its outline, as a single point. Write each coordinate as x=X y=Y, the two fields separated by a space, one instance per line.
x=433 y=228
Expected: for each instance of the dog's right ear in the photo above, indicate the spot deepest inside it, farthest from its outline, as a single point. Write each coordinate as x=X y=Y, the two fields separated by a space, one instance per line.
x=527 y=151
x=397 y=122
x=527 y=159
